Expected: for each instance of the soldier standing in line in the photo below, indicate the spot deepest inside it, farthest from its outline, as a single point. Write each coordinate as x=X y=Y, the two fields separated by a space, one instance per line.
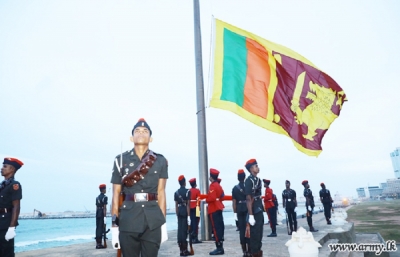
x=194 y=204
x=182 y=210
x=215 y=208
x=309 y=204
x=326 y=199
x=270 y=207
x=139 y=223
x=240 y=211
x=101 y=215
x=255 y=207
x=11 y=195
x=290 y=204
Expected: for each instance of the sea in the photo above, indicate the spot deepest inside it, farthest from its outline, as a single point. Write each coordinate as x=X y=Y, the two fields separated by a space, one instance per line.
x=33 y=234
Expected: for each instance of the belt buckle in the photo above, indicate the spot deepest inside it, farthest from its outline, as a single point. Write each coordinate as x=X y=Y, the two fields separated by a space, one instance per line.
x=140 y=197
x=289 y=200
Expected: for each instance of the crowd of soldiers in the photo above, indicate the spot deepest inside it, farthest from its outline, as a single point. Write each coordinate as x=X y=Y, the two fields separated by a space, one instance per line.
x=248 y=204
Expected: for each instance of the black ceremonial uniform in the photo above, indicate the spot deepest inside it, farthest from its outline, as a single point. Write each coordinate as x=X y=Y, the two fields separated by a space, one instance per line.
x=140 y=221
x=181 y=197
x=101 y=202
x=10 y=190
x=309 y=202
x=253 y=188
x=289 y=197
x=327 y=202
x=241 y=210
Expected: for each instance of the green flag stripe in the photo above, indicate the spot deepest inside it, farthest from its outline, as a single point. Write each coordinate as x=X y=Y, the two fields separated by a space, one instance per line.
x=234 y=67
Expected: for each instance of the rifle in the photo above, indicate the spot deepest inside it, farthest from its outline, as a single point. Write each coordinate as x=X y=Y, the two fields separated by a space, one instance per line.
x=190 y=242
x=104 y=236
x=287 y=224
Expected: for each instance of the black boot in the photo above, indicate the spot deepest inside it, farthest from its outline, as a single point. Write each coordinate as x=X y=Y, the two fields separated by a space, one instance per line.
x=185 y=251
x=244 y=249
x=219 y=250
x=312 y=229
x=273 y=234
x=195 y=239
x=328 y=221
x=98 y=244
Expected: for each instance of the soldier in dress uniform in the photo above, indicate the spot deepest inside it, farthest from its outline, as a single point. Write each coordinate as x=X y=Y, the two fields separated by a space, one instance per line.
x=182 y=210
x=11 y=195
x=270 y=207
x=255 y=207
x=215 y=208
x=309 y=204
x=141 y=175
x=290 y=204
x=101 y=215
x=326 y=200
x=194 y=204
x=240 y=211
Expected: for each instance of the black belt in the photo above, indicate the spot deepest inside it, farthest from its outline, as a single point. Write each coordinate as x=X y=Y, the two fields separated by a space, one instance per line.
x=5 y=210
x=181 y=204
x=100 y=207
x=243 y=201
x=141 y=197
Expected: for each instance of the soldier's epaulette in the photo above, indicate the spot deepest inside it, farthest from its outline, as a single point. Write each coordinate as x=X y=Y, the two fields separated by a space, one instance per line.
x=124 y=153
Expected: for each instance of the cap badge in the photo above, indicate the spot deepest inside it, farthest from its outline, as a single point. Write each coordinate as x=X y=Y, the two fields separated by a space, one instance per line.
x=131 y=164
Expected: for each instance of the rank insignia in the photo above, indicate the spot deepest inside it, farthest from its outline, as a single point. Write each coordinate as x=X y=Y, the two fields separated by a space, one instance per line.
x=15 y=186
x=131 y=164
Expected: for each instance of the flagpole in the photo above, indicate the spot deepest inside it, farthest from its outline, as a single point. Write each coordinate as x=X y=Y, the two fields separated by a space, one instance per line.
x=201 y=121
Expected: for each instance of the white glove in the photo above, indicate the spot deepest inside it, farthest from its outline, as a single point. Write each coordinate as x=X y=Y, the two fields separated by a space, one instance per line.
x=309 y=208
x=235 y=214
x=295 y=209
x=252 y=221
x=10 y=233
x=164 y=234
x=189 y=220
x=115 y=237
x=105 y=220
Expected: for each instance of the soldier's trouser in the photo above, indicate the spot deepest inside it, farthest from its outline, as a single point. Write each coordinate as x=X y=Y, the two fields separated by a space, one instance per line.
x=6 y=247
x=256 y=233
x=194 y=222
x=292 y=218
x=272 y=218
x=144 y=244
x=99 y=227
x=182 y=229
x=309 y=217
x=217 y=223
x=327 y=210
x=242 y=227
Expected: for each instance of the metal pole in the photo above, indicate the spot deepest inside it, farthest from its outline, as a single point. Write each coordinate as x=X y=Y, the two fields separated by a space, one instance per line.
x=201 y=121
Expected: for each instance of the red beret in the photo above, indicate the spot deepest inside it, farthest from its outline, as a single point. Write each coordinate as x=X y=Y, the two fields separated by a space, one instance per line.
x=240 y=171
x=181 y=177
x=267 y=181
x=250 y=163
x=304 y=182
x=192 y=180
x=322 y=184
x=141 y=123
x=13 y=161
x=102 y=186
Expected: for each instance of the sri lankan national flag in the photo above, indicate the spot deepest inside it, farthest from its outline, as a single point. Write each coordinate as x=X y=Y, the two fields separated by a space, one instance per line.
x=273 y=87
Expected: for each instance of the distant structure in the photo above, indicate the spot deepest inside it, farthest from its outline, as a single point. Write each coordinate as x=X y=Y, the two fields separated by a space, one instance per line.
x=374 y=191
x=361 y=192
x=392 y=188
x=395 y=156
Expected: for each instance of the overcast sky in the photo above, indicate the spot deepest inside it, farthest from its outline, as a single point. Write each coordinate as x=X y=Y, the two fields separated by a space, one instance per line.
x=75 y=76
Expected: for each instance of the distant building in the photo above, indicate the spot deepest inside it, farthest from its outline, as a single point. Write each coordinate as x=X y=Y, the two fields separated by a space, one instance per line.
x=395 y=156
x=361 y=192
x=393 y=188
x=374 y=191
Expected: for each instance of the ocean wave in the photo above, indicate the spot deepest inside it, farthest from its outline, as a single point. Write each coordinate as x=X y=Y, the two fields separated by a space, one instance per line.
x=52 y=240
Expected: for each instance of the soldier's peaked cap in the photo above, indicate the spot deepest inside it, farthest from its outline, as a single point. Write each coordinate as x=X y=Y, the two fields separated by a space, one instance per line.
x=250 y=163
x=304 y=182
x=14 y=162
x=142 y=123
x=214 y=173
x=241 y=174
